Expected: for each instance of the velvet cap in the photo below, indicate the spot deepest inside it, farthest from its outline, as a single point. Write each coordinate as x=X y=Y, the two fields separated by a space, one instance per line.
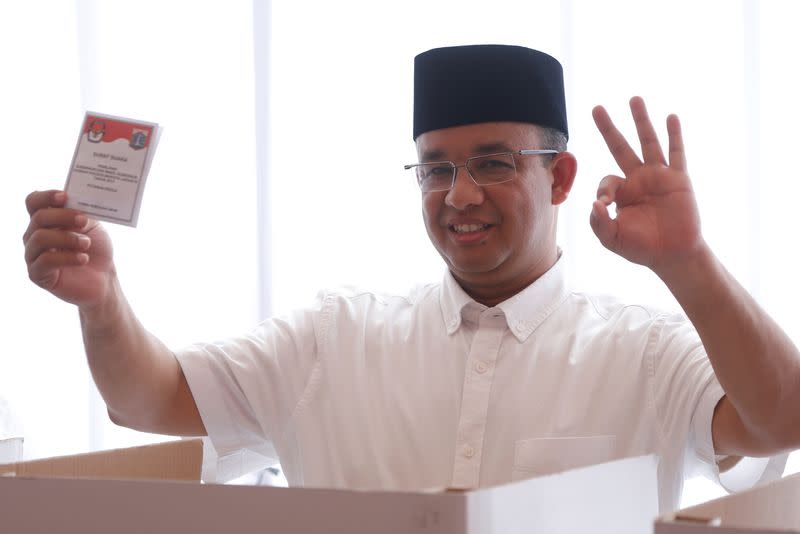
x=461 y=85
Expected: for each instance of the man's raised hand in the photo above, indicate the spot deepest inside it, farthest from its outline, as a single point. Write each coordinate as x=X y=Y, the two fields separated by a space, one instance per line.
x=67 y=253
x=657 y=222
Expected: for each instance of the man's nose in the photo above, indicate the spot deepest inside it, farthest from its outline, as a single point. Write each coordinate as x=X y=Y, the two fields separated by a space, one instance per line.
x=465 y=192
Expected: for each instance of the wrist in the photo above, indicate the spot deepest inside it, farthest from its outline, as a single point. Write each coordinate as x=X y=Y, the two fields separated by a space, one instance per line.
x=106 y=313
x=690 y=274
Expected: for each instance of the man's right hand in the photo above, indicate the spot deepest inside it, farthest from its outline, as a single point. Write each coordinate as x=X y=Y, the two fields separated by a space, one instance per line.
x=140 y=379
x=67 y=253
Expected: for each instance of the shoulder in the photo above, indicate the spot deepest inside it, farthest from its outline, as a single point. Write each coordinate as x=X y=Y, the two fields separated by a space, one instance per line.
x=613 y=312
x=610 y=308
x=662 y=332
x=356 y=300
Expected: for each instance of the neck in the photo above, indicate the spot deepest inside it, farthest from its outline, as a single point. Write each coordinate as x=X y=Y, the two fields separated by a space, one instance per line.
x=490 y=292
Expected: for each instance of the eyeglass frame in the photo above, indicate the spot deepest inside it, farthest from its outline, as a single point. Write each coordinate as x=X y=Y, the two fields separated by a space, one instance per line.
x=512 y=153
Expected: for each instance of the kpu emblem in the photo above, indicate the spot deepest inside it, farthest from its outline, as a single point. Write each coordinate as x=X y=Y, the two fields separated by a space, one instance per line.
x=138 y=139
x=97 y=130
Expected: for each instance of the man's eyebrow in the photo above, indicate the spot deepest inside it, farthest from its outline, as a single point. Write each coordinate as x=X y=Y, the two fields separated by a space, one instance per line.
x=484 y=148
x=432 y=155
x=490 y=148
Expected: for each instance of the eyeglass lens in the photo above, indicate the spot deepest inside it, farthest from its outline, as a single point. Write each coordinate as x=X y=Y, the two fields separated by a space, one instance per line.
x=485 y=170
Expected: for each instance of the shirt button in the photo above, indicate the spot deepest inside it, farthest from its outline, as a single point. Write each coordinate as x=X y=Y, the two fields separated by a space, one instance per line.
x=469 y=452
x=481 y=367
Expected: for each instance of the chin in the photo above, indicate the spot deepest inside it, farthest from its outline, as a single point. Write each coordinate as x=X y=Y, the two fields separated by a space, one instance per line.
x=472 y=268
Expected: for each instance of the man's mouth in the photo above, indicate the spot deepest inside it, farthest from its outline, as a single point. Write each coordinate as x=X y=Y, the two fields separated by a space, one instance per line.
x=468 y=228
x=470 y=233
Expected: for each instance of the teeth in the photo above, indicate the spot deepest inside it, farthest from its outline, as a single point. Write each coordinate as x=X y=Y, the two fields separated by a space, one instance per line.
x=464 y=228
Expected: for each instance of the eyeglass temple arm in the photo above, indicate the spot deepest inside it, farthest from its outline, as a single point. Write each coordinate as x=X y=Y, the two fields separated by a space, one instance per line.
x=534 y=152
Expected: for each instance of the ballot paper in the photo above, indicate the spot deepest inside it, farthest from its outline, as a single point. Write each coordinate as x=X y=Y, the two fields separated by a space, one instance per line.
x=109 y=169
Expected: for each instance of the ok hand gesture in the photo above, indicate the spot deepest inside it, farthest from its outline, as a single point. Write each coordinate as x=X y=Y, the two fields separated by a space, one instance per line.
x=657 y=222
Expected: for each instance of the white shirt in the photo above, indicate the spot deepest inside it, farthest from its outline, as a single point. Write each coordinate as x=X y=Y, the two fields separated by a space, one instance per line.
x=365 y=391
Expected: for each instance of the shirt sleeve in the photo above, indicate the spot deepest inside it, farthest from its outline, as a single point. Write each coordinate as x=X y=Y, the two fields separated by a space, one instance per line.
x=687 y=392
x=246 y=389
x=10 y=425
x=747 y=472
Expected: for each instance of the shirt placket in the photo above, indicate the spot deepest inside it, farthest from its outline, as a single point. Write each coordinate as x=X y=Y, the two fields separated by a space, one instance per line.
x=478 y=377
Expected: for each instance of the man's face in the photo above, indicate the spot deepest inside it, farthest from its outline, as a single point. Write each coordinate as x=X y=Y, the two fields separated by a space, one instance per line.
x=501 y=235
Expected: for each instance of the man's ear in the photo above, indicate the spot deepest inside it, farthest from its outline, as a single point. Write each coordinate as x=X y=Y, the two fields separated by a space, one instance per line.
x=564 y=167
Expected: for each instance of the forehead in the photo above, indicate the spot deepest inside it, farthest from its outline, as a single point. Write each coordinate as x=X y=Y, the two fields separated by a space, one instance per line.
x=471 y=139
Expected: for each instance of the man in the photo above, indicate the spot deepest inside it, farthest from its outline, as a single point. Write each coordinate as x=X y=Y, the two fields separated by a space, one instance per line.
x=499 y=372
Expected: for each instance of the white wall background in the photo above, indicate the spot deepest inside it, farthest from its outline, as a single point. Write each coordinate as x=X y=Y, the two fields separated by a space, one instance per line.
x=253 y=207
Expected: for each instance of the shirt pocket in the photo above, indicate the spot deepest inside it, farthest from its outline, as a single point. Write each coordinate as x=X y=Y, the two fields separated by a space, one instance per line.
x=545 y=456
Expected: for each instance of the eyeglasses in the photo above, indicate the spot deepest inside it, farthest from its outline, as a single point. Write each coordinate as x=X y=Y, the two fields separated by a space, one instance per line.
x=488 y=169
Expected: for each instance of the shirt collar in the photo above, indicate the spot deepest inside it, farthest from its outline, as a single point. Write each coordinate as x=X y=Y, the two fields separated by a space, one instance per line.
x=523 y=312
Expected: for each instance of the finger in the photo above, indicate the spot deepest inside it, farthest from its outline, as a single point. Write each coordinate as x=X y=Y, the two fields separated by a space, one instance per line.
x=677 y=157
x=44 y=240
x=46 y=270
x=651 y=148
x=603 y=226
x=44 y=199
x=61 y=218
x=607 y=190
x=623 y=154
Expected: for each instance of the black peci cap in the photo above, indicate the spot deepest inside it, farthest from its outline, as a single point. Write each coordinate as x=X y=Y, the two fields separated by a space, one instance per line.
x=462 y=85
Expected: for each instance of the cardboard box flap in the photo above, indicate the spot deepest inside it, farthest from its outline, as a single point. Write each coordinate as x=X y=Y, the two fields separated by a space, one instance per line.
x=174 y=460
x=773 y=506
x=619 y=496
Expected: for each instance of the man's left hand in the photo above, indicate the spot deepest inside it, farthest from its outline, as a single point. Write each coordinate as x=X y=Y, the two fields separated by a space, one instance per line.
x=657 y=222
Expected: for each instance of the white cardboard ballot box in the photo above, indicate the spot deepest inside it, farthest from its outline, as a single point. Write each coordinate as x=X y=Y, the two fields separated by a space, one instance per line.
x=770 y=509
x=116 y=491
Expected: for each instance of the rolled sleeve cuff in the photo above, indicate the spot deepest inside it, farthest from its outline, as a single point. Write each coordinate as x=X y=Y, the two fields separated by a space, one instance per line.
x=747 y=472
x=701 y=424
x=233 y=452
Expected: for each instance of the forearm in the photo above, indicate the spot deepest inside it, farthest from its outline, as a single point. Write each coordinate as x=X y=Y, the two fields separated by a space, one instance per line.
x=756 y=363
x=137 y=375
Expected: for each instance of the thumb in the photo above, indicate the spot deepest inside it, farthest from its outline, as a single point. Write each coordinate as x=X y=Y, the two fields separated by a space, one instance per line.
x=603 y=226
